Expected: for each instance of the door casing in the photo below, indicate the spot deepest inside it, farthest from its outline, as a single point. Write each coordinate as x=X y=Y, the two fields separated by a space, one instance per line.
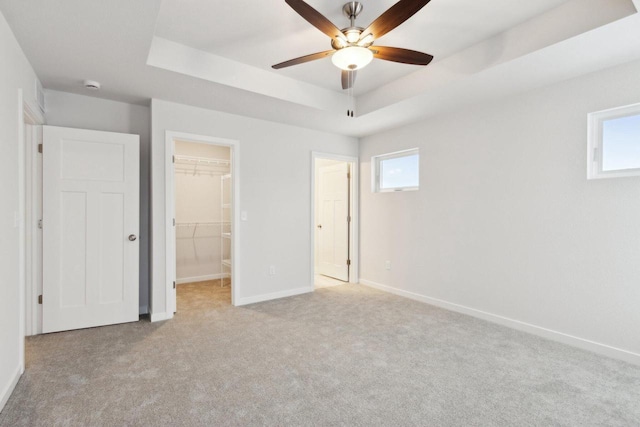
x=170 y=243
x=32 y=172
x=354 y=252
x=329 y=224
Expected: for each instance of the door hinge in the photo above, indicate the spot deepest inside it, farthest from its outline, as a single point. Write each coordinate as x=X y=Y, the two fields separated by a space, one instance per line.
x=348 y=175
x=348 y=262
x=349 y=219
x=595 y=154
x=39 y=299
x=40 y=224
x=174 y=284
x=173 y=159
x=39 y=148
x=174 y=222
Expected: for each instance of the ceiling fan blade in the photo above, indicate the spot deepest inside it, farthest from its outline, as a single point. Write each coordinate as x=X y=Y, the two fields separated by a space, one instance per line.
x=303 y=59
x=405 y=56
x=394 y=16
x=348 y=79
x=316 y=19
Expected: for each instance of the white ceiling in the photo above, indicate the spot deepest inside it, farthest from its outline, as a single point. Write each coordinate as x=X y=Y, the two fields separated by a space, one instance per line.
x=267 y=32
x=217 y=54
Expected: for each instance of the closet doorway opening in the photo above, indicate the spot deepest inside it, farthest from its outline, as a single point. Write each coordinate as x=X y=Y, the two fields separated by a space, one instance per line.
x=201 y=207
x=334 y=220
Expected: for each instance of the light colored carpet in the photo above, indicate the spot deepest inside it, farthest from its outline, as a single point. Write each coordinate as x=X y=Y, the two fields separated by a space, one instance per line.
x=345 y=355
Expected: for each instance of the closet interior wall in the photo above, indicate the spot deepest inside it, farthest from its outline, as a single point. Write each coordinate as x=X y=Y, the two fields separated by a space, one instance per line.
x=202 y=225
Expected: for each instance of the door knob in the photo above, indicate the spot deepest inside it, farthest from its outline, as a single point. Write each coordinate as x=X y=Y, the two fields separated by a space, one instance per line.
x=132 y=237
x=319 y=225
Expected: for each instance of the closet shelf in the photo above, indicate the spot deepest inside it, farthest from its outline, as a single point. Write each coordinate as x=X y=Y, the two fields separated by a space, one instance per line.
x=192 y=163
x=225 y=231
x=208 y=161
x=198 y=224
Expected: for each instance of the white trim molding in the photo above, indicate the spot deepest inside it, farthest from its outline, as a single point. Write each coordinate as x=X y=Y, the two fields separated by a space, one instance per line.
x=6 y=393
x=354 y=229
x=595 y=347
x=158 y=317
x=170 y=254
x=31 y=192
x=274 y=295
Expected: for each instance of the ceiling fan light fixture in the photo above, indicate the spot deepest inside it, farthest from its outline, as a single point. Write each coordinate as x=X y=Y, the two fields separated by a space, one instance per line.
x=353 y=35
x=352 y=58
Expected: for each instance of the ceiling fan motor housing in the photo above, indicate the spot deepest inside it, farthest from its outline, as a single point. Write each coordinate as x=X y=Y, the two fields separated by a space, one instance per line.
x=352 y=35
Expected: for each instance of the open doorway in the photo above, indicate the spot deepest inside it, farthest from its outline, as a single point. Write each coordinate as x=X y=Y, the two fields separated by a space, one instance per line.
x=334 y=220
x=203 y=224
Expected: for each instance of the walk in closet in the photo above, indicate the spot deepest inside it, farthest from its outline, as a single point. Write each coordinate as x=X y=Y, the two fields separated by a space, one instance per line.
x=203 y=214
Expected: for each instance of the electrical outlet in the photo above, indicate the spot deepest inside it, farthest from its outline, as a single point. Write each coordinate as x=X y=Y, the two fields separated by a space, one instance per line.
x=387 y=265
x=272 y=270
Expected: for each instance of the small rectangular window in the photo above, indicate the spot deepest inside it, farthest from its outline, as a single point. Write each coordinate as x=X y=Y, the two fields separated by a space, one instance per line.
x=397 y=171
x=614 y=143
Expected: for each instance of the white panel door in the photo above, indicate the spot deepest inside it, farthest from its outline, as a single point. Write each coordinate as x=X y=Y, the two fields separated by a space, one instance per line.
x=334 y=225
x=91 y=189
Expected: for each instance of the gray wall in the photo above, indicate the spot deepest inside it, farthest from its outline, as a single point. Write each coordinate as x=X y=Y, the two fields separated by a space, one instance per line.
x=506 y=226
x=275 y=191
x=76 y=111
x=15 y=74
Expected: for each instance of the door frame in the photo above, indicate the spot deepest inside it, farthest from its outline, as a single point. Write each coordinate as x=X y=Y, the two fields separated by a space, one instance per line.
x=170 y=239
x=354 y=228
x=31 y=196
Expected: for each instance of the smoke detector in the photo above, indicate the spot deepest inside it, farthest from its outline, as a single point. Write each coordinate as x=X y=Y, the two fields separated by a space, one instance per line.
x=91 y=84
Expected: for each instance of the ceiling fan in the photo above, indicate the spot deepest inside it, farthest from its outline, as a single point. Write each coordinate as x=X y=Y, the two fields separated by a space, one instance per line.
x=353 y=46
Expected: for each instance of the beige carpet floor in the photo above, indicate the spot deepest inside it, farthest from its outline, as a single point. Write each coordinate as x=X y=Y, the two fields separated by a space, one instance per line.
x=345 y=355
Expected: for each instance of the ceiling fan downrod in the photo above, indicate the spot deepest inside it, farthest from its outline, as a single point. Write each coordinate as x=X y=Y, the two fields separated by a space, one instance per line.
x=352 y=9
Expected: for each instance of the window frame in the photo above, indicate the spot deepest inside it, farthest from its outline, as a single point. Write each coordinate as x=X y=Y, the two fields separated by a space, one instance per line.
x=595 y=142
x=375 y=170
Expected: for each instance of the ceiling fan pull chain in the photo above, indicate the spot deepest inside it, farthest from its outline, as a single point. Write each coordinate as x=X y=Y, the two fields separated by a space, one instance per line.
x=352 y=77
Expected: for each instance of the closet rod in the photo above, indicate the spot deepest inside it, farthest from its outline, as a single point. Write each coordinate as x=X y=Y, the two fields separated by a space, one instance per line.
x=193 y=224
x=202 y=160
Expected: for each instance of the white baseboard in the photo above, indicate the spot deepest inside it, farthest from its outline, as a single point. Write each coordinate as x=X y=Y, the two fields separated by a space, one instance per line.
x=159 y=317
x=8 y=389
x=595 y=347
x=202 y=278
x=274 y=295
